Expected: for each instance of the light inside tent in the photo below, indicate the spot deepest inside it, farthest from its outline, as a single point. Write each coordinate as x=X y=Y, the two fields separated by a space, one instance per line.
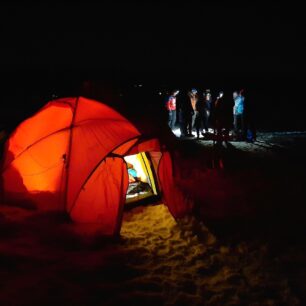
x=135 y=160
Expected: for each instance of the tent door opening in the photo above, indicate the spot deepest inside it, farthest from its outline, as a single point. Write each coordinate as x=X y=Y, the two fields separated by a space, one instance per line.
x=142 y=182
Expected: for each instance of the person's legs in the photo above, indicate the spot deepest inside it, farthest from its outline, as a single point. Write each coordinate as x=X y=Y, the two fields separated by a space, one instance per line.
x=218 y=129
x=198 y=131
x=242 y=125
x=173 y=119
x=236 y=125
x=189 y=125
x=198 y=124
x=193 y=119
x=170 y=119
x=182 y=120
x=205 y=121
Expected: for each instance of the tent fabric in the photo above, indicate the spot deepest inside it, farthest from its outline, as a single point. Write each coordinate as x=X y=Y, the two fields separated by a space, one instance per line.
x=177 y=203
x=146 y=166
x=36 y=128
x=104 y=204
x=97 y=131
x=69 y=156
x=145 y=145
x=61 y=144
x=34 y=165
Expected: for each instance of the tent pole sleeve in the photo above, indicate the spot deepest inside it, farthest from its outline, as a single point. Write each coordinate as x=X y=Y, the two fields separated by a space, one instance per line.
x=69 y=150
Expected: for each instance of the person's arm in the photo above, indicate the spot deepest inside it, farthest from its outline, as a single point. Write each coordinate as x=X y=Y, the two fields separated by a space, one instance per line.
x=216 y=102
x=168 y=104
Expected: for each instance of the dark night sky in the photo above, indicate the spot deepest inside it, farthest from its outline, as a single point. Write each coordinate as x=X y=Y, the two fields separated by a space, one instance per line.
x=145 y=37
x=260 y=43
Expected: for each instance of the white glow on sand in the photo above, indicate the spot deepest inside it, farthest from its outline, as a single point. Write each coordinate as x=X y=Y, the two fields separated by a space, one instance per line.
x=177 y=132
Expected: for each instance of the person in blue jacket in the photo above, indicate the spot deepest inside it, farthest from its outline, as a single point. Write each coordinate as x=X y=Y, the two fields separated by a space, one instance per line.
x=238 y=112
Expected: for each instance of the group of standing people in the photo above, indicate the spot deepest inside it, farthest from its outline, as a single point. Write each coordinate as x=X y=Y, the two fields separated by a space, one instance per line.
x=199 y=112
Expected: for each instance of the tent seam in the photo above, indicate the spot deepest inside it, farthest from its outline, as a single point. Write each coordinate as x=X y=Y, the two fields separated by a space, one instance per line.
x=94 y=169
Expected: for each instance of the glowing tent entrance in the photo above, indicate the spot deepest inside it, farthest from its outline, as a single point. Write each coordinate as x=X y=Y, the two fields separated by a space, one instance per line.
x=142 y=182
x=69 y=157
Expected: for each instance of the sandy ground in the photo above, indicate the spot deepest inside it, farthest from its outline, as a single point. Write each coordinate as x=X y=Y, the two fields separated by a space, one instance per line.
x=45 y=260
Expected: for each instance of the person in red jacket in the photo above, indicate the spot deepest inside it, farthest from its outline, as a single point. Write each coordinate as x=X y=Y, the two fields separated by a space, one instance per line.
x=171 y=108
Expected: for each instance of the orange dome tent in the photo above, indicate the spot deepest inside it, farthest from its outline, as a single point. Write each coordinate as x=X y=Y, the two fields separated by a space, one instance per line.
x=69 y=157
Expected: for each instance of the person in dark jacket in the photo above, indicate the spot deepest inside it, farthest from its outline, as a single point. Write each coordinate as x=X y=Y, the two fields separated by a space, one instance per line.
x=185 y=114
x=250 y=118
x=194 y=97
x=199 y=110
x=207 y=110
x=222 y=117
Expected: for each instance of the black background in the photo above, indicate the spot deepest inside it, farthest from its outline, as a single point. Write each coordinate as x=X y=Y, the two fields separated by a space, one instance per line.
x=52 y=48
